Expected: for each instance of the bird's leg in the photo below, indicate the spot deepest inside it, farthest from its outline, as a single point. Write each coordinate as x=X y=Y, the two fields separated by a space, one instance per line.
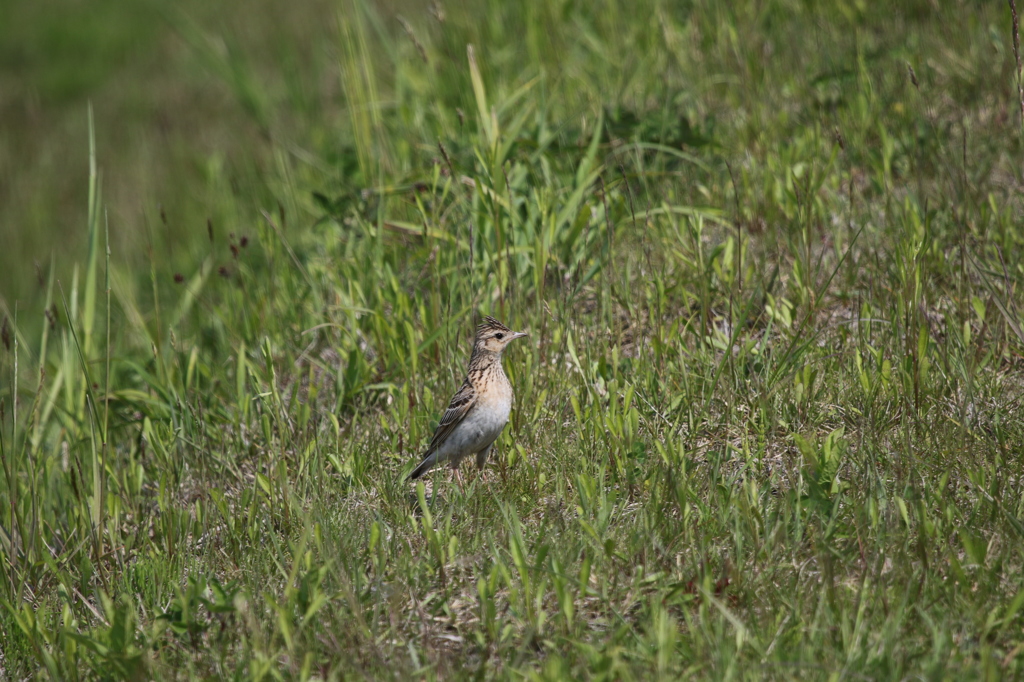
x=481 y=459
x=458 y=479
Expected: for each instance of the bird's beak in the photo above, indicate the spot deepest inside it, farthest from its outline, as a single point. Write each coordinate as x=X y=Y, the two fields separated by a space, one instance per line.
x=518 y=335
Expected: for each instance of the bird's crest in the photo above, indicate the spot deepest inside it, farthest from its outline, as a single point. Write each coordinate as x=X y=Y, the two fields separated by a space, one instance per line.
x=490 y=324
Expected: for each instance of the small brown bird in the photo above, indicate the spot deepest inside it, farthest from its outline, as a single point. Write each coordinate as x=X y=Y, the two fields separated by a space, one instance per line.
x=480 y=409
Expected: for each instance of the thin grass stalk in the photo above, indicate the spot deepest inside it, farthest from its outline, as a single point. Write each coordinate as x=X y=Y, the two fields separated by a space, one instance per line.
x=499 y=240
x=29 y=455
x=89 y=310
x=17 y=528
x=488 y=124
x=609 y=285
x=1015 y=25
x=27 y=545
x=355 y=90
x=106 y=382
x=513 y=277
x=37 y=435
x=360 y=87
x=468 y=197
x=14 y=386
x=95 y=507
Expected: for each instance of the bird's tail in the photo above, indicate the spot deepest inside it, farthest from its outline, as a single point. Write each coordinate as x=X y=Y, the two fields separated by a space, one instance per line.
x=423 y=467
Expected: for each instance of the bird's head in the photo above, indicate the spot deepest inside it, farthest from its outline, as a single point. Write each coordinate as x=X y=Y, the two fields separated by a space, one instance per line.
x=492 y=336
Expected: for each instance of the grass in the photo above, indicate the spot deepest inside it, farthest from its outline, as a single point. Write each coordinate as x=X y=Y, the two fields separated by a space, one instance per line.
x=767 y=424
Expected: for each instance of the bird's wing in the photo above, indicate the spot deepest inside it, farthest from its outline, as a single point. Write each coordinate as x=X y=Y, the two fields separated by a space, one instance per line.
x=460 y=405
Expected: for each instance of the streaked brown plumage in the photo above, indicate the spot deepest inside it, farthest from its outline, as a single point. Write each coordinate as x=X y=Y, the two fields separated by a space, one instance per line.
x=480 y=408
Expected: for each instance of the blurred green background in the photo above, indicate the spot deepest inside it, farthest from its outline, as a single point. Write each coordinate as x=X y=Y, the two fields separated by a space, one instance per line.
x=170 y=132
x=193 y=101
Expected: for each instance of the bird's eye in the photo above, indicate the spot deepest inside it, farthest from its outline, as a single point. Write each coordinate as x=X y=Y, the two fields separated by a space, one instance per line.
x=499 y=336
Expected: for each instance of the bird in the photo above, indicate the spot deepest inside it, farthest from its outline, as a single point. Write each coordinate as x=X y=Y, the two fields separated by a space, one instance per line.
x=479 y=409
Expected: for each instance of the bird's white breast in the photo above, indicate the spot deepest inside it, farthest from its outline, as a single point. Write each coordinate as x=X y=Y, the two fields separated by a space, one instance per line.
x=484 y=422
x=498 y=407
